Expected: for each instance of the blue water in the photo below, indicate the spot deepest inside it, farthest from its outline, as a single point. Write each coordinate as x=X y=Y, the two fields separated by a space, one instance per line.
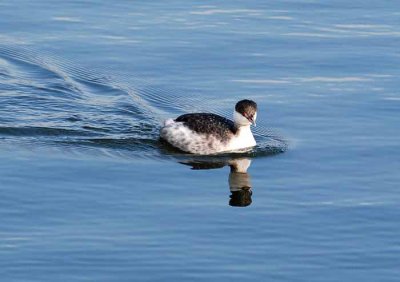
x=88 y=193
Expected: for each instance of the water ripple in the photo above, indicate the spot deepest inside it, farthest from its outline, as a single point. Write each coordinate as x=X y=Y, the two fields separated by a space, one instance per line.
x=51 y=102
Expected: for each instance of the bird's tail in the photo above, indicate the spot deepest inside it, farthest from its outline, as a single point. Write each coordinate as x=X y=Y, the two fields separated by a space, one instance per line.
x=168 y=122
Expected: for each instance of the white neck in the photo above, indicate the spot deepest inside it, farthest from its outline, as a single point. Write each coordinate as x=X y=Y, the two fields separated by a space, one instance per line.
x=240 y=120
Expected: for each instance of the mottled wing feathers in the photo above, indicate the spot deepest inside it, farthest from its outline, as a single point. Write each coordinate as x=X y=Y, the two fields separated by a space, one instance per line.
x=205 y=123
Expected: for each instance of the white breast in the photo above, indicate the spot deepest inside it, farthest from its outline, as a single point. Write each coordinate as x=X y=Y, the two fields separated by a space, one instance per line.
x=243 y=139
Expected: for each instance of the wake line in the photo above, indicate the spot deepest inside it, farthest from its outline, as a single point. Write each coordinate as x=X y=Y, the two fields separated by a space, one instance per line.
x=154 y=103
x=30 y=57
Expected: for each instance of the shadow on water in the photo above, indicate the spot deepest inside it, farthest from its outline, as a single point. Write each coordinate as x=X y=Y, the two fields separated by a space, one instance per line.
x=239 y=179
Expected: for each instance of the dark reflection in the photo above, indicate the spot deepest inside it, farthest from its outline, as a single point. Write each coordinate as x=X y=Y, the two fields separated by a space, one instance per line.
x=240 y=183
x=239 y=180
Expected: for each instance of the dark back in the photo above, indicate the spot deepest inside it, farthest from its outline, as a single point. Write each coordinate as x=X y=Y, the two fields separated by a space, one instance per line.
x=213 y=124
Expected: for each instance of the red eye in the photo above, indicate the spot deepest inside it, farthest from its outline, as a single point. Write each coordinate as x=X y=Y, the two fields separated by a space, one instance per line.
x=249 y=117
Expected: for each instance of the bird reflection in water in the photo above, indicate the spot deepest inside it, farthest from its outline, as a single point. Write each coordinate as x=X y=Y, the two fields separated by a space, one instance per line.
x=240 y=183
x=239 y=180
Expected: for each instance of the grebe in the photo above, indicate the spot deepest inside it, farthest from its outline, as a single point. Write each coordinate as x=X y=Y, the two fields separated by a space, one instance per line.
x=205 y=133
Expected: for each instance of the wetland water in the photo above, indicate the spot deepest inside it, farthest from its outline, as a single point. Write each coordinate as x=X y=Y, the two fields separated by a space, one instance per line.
x=89 y=193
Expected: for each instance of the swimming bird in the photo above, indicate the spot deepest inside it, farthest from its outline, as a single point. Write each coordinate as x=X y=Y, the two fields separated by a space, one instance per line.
x=207 y=133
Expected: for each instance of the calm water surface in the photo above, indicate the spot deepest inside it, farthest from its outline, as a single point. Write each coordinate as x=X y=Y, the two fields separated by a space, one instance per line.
x=88 y=193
